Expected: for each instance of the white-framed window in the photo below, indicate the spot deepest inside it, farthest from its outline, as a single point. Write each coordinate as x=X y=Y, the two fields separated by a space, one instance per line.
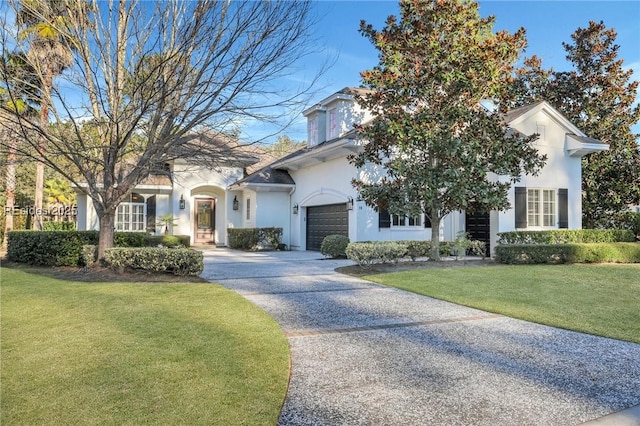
x=313 y=131
x=333 y=123
x=131 y=214
x=541 y=208
x=405 y=221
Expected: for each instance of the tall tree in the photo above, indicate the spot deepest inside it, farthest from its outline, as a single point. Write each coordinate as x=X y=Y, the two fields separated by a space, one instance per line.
x=44 y=25
x=18 y=92
x=435 y=143
x=598 y=96
x=148 y=77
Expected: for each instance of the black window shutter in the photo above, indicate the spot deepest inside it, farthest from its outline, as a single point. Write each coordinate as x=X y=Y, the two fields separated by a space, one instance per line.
x=521 y=207
x=563 y=208
x=384 y=219
x=427 y=221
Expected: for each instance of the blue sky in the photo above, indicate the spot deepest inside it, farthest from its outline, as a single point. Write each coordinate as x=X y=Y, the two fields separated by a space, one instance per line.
x=548 y=24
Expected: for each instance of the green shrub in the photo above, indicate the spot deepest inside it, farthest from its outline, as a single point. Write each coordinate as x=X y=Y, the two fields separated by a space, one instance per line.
x=626 y=220
x=51 y=248
x=334 y=246
x=620 y=252
x=129 y=239
x=65 y=248
x=176 y=261
x=251 y=238
x=566 y=236
x=58 y=226
x=272 y=236
x=243 y=238
x=171 y=241
x=417 y=249
x=368 y=253
x=89 y=255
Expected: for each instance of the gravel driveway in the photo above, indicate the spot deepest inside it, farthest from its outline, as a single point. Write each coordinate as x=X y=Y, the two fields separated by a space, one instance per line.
x=363 y=354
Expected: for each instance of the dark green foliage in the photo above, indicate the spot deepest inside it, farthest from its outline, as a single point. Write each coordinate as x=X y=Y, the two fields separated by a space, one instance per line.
x=129 y=239
x=65 y=248
x=565 y=236
x=152 y=259
x=171 y=241
x=252 y=238
x=243 y=238
x=434 y=145
x=598 y=95
x=368 y=253
x=569 y=253
x=626 y=220
x=334 y=246
x=53 y=248
x=58 y=226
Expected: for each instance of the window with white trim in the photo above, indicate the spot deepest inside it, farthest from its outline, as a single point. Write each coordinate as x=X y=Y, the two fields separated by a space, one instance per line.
x=541 y=207
x=333 y=123
x=131 y=214
x=397 y=220
x=313 y=131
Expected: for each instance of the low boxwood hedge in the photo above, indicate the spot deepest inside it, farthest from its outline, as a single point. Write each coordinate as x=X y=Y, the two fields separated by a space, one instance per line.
x=566 y=236
x=65 y=248
x=177 y=261
x=620 y=252
x=252 y=238
x=368 y=253
x=334 y=246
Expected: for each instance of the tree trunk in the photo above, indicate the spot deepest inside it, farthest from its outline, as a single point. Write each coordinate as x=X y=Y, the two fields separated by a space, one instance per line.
x=107 y=221
x=11 y=194
x=44 y=122
x=435 y=236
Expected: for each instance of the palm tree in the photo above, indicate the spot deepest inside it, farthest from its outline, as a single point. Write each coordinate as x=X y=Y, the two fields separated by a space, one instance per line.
x=17 y=94
x=44 y=25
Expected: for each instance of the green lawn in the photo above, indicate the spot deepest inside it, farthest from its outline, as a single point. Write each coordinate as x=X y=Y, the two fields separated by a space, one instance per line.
x=598 y=299
x=136 y=353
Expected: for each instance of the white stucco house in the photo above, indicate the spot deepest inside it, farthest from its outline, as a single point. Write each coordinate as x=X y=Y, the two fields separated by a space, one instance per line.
x=309 y=194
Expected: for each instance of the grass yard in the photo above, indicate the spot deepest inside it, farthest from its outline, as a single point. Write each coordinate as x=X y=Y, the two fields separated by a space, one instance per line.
x=597 y=299
x=136 y=353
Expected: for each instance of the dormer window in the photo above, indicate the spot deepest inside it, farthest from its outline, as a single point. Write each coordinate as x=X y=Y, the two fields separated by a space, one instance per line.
x=333 y=123
x=313 y=131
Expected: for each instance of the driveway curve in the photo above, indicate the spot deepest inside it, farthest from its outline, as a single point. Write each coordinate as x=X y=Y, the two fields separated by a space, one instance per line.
x=363 y=354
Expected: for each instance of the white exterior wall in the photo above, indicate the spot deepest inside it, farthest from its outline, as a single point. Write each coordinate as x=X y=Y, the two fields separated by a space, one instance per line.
x=560 y=171
x=202 y=183
x=273 y=209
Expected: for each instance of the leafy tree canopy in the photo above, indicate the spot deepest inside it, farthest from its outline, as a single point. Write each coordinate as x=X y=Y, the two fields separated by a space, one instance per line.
x=434 y=145
x=598 y=96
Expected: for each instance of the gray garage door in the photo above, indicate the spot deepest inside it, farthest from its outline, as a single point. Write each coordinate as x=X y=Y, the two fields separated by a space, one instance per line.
x=326 y=220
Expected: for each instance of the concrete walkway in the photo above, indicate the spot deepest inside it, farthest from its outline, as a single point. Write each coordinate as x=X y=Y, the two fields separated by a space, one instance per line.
x=363 y=354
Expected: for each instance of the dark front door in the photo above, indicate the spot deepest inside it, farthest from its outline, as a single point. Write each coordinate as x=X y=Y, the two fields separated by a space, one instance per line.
x=478 y=227
x=326 y=220
x=205 y=221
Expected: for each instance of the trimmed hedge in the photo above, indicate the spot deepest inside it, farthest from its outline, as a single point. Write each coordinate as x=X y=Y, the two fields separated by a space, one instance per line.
x=566 y=236
x=65 y=248
x=368 y=253
x=176 y=261
x=50 y=248
x=253 y=238
x=619 y=252
x=58 y=226
x=334 y=246
x=171 y=241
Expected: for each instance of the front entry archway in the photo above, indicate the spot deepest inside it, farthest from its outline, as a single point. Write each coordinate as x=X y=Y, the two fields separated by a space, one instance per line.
x=205 y=221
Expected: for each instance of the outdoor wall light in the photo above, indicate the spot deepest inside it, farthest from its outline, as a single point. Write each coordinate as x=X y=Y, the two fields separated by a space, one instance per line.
x=350 y=204
x=182 y=203
x=295 y=209
x=236 y=204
